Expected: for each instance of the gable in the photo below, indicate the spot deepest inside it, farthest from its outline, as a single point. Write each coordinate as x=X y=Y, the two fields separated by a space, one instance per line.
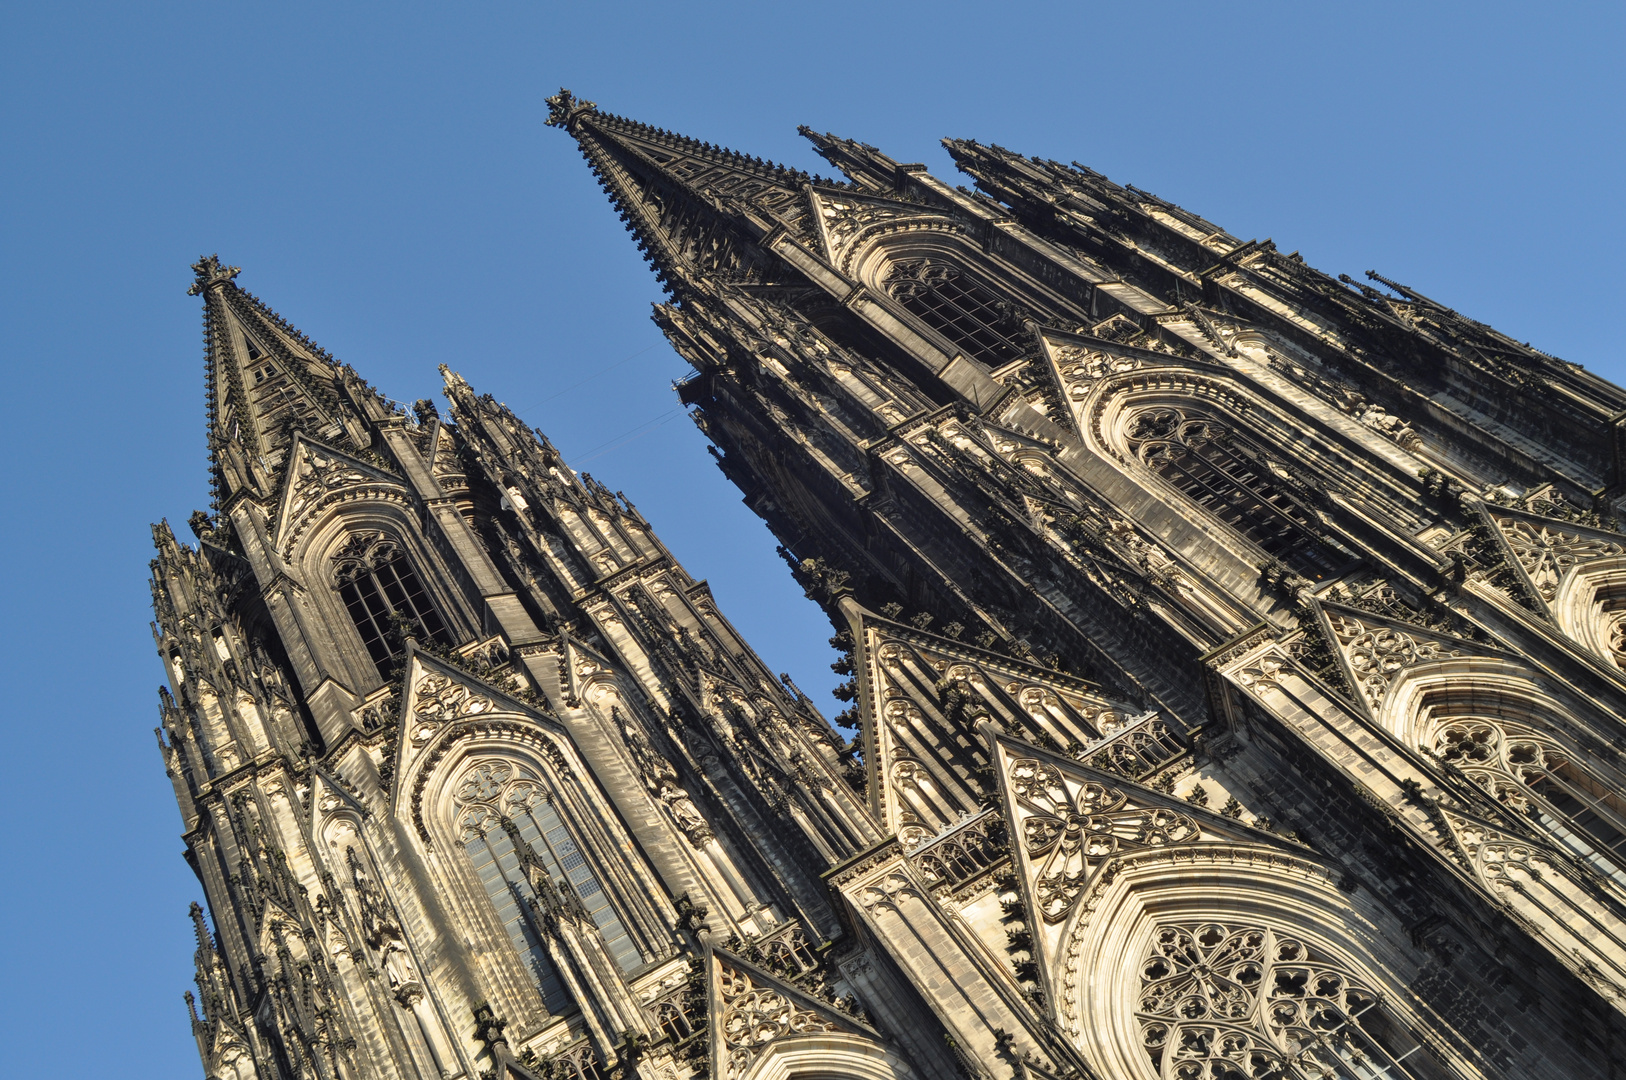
x=921 y=696
x=1069 y=822
x=318 y=475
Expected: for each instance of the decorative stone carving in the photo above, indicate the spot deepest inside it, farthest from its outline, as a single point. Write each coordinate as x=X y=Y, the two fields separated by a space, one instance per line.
x=1069 y=828
x=1262 y=676
x=661 y=779
x=1377 y=654
x=318 y=477
x=361 y=552
x=1352 y=403
x=1547 y=553
x=885 y=892
x=962 y=855
x=437 y=699
x=1225 y=1003
x=1504 y=759
x=844 y=220
x=755 y=1016
x=1081 y=367
x=1152 y=559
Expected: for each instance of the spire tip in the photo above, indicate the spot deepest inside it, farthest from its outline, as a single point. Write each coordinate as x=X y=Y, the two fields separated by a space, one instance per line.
x=564 y=107
x=211 y=272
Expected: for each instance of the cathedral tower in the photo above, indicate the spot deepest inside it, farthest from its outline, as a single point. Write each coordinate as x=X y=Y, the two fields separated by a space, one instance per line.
x=1238 y=653
x=475 y=779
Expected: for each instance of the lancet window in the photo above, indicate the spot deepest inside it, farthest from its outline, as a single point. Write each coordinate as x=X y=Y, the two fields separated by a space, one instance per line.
x=383 y=594
x=674 y=1017
x=495 y=790
x=1224 y=473
x=1533 y=774
x=960 y=308
x=578 y=1063
x=1228 y=1002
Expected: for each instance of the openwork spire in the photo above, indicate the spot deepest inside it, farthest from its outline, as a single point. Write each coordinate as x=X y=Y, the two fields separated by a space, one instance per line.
x=696 y=210
x=265 y=381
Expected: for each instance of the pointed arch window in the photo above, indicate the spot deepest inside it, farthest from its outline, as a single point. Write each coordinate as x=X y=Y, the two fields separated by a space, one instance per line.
x=1221 y=1002
x=959 y=307
x=579 y=1062
x=1534 y=775
x=384 y=596
x=674 y=1017
x=494 y=790
x=1226 y=474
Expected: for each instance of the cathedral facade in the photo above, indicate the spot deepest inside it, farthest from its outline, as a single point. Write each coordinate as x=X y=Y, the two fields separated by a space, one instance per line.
x=1237 y=668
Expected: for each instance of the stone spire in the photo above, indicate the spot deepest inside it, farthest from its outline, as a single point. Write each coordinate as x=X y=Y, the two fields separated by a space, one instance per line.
x=265 y=381
x=693 y=208
x=867 y=167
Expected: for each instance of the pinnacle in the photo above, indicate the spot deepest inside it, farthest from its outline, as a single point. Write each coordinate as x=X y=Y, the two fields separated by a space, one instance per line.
x=264 y=380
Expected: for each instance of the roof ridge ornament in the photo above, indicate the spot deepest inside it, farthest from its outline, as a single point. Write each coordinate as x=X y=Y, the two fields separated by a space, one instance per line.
x=564 y=107
x=211 y=273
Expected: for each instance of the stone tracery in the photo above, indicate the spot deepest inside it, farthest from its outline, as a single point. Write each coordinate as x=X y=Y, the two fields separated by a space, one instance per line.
x=1071 y=827
x=1222 y=471
x=1229 y=1002
x=755 y=1016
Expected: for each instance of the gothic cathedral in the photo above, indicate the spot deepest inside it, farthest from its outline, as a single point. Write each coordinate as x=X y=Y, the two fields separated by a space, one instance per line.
x=1237 y=656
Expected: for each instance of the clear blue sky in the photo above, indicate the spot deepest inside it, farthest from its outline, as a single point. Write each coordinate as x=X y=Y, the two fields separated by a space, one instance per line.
x=382 y=175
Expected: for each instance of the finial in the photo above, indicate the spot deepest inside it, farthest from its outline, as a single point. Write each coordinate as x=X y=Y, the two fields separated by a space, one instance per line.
x=564 y=107
x=210 y=273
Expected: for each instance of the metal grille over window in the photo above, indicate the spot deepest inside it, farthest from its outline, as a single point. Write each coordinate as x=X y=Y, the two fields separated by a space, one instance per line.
x=493 y=790
x=1225 y=475
x=963 y=310
x=382 y=592
x=1246 y=1003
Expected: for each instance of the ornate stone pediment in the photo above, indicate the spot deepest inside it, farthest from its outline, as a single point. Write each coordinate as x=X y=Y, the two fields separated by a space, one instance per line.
x=318 y=475
x=1069 y=823
x=846 y=219
x=752 y=1011
x=1538 y=883
x=441 y=700
x=1376 y=651
x=1078 y=363
x=1576 y=573
x=1546 y=549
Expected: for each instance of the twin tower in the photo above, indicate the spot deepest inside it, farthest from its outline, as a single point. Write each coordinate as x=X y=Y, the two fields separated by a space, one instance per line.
x=1237 y=656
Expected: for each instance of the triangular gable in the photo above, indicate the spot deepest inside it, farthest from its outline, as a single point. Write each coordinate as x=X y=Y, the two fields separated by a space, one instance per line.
x=919 y=696
x=1375 y=649
x=1483 y=848
x=1013 y=443
x=1079 y=363
x=752 y=1009
x=1544 y=550
x=578 y=660
x=438 y=696
x=1068 y=821
x=314 y=469
x=329 y=794
x=845 y=217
